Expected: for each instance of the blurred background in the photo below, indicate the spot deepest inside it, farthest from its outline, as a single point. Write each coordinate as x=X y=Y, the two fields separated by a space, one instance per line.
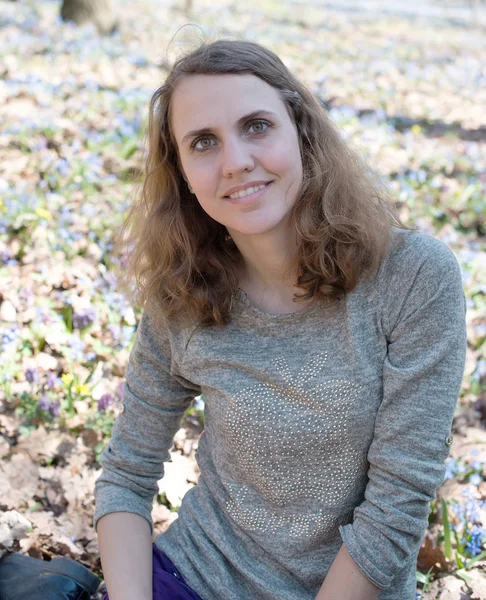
x=406 y=84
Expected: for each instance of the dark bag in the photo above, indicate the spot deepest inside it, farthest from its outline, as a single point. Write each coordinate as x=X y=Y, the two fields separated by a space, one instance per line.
x=26 y=578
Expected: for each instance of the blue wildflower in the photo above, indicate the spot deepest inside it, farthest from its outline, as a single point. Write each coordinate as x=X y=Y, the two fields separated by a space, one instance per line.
x=199 y=403
x=451 y=468
x=475 y=479
x=461 y=468
x=9 y=336
x=77 y=346
x=474 y=545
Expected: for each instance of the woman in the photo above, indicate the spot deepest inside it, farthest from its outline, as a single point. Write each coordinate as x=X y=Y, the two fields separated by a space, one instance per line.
x=327 y=338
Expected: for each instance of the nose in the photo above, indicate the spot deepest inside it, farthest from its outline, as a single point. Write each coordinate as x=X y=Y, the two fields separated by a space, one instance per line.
x=236 y=157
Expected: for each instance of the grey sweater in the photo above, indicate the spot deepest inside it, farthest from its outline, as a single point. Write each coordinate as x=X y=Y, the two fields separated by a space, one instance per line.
x=325 y=426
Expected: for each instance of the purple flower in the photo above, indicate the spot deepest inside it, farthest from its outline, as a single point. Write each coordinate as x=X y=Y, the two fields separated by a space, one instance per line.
x=119 y=390
x=43 y=403
x=32 y=375
x=104 y=402
x=84 y=318
x=115 y=330
x=51 y=380
x=54 y=409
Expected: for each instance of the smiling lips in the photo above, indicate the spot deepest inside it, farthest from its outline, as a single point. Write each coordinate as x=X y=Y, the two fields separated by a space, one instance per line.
x=245 y=190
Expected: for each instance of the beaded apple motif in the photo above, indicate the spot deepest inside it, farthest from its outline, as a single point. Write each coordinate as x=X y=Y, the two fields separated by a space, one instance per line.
x=290 y=440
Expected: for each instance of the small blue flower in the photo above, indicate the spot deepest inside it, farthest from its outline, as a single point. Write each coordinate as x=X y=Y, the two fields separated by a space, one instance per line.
x=461 y=468
x=9 y=336
x=77 y=346
x=451 y=468
x=199 y=403
x=475 y=479
x=474 y=545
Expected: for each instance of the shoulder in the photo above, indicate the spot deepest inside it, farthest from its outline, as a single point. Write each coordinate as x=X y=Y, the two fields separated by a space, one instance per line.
x=415 y=254
x=171 y=332
x=419 y=274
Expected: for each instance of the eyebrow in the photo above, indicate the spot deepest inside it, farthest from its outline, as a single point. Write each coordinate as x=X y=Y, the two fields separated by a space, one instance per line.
x=208 y=130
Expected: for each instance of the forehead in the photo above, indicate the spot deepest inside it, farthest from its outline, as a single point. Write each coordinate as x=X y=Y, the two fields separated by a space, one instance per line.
x=208 y=100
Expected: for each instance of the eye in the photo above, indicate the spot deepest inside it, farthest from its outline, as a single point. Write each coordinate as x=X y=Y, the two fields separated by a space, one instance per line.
x=261 y=127
x=261 y=123
x=200 y=139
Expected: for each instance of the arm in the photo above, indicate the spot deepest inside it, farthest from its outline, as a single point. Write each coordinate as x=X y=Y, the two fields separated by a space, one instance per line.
x=126 y=556
x=422 y=307
x=154 y=401
x=345 y=581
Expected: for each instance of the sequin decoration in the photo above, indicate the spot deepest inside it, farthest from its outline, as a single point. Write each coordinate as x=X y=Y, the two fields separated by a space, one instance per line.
x=290 y=441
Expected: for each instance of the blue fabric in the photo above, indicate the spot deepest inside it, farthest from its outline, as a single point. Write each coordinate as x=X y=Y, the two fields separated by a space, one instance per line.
x=168 y=583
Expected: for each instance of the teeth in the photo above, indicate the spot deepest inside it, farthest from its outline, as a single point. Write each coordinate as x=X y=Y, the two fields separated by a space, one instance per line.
x=247 y=192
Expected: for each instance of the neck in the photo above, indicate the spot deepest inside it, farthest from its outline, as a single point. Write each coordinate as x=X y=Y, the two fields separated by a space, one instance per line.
x=268 y=260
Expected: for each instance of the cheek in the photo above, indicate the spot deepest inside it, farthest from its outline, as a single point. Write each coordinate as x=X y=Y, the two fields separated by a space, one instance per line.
x=285 y=156
x=201 y=177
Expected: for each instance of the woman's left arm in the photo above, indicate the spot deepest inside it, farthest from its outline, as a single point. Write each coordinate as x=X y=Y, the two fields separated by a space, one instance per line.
x=345 y=581
x=423 y=319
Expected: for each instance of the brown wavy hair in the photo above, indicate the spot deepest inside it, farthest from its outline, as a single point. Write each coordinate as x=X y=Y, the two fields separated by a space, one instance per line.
x=173 y=251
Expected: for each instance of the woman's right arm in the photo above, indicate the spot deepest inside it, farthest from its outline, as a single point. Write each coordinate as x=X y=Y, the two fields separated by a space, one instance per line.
x=125 y=546
x=154 y=400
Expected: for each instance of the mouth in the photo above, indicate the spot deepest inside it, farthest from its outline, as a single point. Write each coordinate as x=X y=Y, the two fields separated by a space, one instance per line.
x=248 y=197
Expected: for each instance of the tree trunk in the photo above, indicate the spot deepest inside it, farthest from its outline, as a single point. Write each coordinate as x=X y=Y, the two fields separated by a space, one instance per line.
x=100 y=12
x=188 y=8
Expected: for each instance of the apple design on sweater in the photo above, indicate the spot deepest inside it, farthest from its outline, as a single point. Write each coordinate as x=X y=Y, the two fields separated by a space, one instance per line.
x=292 y=451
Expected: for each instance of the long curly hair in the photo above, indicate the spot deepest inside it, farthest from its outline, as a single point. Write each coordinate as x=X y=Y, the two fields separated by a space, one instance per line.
x=173 y=252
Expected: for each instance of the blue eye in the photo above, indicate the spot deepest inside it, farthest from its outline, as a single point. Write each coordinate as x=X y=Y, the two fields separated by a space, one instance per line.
x=252 y=123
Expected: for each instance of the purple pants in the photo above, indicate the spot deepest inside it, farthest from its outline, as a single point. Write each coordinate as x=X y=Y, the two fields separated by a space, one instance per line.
x=168 y=583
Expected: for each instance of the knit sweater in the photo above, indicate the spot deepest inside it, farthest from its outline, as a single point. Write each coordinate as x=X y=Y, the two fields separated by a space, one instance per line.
x=325 y=426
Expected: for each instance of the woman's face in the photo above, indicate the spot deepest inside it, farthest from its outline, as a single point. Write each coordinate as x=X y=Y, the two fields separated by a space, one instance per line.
x=233 y=131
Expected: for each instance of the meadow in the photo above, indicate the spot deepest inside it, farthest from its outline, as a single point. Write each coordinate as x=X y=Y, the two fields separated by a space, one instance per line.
x=408 y=91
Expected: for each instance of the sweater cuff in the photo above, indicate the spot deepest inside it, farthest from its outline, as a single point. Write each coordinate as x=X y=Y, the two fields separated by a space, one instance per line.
x=111 y=498
x=369 y=570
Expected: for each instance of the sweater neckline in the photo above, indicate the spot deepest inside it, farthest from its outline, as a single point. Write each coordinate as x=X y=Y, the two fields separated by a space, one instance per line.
x=243 y=299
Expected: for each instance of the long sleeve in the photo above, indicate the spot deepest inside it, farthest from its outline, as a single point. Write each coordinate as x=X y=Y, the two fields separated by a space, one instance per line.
x=154 y=401
x=423 y=319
